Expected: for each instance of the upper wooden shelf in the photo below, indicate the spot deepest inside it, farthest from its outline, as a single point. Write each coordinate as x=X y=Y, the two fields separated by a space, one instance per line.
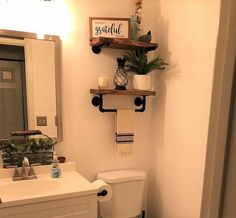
x=126 y=44
x=121 y=92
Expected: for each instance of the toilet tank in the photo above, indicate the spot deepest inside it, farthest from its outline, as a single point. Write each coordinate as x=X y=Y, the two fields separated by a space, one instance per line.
x=127 y=193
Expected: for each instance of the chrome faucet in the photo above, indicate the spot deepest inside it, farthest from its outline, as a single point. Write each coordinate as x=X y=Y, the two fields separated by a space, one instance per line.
x=27 y=171
x=25 y=167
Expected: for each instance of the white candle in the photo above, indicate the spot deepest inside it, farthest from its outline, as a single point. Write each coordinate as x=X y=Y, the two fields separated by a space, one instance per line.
x=103 y=82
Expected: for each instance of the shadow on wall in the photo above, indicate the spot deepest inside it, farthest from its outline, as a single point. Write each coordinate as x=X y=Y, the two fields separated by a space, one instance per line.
x=158 y=117
x=160 y=35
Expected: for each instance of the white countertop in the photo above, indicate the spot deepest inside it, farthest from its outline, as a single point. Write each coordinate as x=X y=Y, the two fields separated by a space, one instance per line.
x=44 y=188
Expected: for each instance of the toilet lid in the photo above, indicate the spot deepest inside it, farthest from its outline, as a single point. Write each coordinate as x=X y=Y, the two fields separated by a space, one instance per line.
x=122 y=176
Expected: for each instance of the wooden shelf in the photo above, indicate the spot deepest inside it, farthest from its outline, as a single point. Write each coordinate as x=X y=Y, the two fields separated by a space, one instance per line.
x=97 y=100
x=121 y=92
x=126 y=44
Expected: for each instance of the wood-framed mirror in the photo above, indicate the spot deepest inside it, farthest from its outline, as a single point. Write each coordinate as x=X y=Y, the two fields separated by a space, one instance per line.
x=30 y=83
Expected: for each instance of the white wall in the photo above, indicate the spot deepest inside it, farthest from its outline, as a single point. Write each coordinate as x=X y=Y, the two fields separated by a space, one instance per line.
x=89 y=134
x=187 y=32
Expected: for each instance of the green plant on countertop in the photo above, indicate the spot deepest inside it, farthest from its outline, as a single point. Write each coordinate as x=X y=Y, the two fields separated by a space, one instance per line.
x=9 y=147
x=31 y=146
x=137 y=62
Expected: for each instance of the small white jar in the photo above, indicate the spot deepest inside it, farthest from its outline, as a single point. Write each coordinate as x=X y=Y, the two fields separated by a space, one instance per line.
x=103 y=82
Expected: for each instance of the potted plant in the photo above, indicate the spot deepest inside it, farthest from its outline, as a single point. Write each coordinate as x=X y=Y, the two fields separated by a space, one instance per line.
x=137 y=62
x=37 y=150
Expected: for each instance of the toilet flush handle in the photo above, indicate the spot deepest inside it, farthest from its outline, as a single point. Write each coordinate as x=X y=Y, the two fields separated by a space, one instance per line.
x=103 y=193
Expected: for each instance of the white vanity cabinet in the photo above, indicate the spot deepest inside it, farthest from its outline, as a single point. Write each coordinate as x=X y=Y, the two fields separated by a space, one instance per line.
x=70 y=196
x=77 y=207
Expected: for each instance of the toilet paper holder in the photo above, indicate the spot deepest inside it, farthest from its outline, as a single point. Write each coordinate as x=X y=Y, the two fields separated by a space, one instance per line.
x=103 y=193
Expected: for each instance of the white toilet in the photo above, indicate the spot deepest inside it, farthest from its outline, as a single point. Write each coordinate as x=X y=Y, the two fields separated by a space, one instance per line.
x=127 y=193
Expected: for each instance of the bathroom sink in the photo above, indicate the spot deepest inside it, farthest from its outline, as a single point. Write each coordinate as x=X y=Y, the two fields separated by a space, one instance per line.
x=43 y=189
x=29 y=187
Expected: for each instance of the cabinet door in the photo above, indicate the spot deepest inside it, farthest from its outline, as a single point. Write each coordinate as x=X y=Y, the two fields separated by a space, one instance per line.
x=77 y=215
x=46 y=214
x=77 y=207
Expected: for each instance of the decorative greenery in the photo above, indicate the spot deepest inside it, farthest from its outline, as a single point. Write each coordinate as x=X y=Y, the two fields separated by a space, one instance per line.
x=137 y=62
x=30 y=146
x=37 y=150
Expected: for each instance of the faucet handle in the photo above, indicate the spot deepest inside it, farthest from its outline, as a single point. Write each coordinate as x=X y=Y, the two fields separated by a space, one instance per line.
x=35 y=164
x=16 y=173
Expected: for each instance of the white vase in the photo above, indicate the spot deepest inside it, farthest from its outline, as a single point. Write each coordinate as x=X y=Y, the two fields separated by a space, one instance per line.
x=142 y=82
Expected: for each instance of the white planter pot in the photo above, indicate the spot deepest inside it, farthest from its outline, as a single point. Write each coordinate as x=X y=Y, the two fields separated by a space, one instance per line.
x=142 y=82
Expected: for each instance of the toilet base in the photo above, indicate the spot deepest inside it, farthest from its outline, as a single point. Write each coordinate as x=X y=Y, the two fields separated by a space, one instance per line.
x=140 y=216
x=143 y=214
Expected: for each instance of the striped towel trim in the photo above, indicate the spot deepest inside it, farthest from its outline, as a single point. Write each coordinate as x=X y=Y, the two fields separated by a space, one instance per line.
x=124 y=138
x=124 y=142
x=124 y=134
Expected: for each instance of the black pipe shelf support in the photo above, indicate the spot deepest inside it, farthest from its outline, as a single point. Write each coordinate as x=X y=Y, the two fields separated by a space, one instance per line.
x=97 y=101
x=97 y=48
x=139 y=101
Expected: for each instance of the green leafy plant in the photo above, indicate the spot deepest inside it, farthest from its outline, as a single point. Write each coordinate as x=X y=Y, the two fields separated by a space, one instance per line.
x=37 y=150
x=137 y=62
x=9 y=147
x=30 y=146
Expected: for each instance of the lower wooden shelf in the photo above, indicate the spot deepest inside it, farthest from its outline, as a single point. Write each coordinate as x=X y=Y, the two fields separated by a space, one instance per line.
x=97 y=100
x=121 y=92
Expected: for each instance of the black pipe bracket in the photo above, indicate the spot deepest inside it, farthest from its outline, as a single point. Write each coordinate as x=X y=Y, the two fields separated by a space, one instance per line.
x=97 y=101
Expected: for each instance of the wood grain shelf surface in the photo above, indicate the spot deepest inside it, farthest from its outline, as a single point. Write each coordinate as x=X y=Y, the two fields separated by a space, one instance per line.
x=121 y=92
x=126 y=44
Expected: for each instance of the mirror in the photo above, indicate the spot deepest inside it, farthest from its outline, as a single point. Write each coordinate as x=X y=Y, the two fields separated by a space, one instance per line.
x=30 y=91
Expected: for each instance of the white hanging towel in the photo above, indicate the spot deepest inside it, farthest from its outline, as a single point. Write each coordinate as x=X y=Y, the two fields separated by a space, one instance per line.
x=125 y=120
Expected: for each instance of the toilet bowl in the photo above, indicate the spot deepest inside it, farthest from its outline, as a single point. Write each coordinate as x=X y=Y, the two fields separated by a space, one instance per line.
x=127 y=193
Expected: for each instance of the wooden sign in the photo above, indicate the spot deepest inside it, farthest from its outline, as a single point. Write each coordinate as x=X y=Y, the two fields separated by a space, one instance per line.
x=109 y=27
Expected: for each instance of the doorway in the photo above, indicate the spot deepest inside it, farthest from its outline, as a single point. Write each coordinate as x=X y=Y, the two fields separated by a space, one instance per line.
x=228 y=193
x=13 y=108
x=216 y=172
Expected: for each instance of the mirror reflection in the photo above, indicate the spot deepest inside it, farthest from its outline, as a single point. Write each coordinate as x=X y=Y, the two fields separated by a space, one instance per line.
x=30 y=83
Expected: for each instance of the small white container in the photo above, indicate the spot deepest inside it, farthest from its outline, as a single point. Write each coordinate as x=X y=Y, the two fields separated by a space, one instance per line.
x=142 y=82
x=103 y=82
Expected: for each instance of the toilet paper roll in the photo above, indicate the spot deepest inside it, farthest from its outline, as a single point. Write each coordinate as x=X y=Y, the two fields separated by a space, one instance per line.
x=102 y=186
